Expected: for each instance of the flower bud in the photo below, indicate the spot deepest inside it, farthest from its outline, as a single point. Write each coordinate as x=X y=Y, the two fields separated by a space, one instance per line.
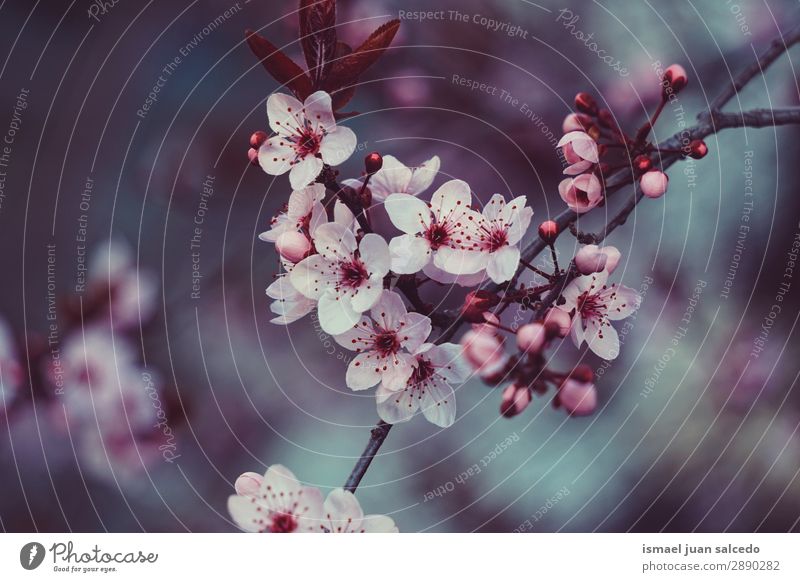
x=548 y=231
x=613 y=257
x=515 y=400
x=697 y=149
x=582 y=373
x=576 y=122
x=585 y=103
x=293 y=246
x=590 y=259
x=482 y=348
x=252 y=155
x=558 y=320
x=476 y=303
x=674 y=80
x=642 y=164
x=248 y=483
x=578 y=398
x=258 y=138
x=654 y=183
x=607 y=119
x=373 y=162
x=531 y=338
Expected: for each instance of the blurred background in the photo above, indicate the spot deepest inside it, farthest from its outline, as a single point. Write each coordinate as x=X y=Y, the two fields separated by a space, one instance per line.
x=129 y=217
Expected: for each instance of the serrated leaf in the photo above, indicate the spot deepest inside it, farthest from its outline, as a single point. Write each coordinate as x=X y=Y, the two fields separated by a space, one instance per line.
x=347 y=70
x=318 y=36
x=283 y=69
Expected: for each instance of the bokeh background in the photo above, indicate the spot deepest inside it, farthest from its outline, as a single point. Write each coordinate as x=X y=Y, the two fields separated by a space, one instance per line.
x=694 y=435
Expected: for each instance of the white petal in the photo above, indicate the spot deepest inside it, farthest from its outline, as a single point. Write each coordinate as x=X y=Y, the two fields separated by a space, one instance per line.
x=415 y=331
x=245 y=512
x=494 y=208
x=358 y=337
x=439 y=402
x=284 y=112
x=602 y=338
x=338 y=145
x=390 y=311
x=409 y=214
x=309 y=510
x=519 y=220
x=378 y=524
x=449 y=362
x=375 y=254
x=319 y=111
x=336 y=315
x=334 y=241
x=392 y=178
x=622 y=302
x=451 y=196
x=304 y=172
x=423 y=176
x=409 y=254
x=396 y=406
x=446 y=278
x=342 y=511
x=342 y=215
x=275 y=156
x=398 y=371
x=312 y=276
x=278 y=479
x=362 y=373
x=367 y=295
x=503 y=264
x=458 y=262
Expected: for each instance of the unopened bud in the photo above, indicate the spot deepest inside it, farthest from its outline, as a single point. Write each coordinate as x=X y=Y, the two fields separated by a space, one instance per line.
x=642 y=164
x=654 y=183
x=531 y=338
x=674 y=80
x=548 y=231
x=476 y=304
x=248 y=484
x=557 y=322
x=293 y=246
x=697 y=149
x=252 y=155
x=578 y=398
x=515 y=400
x=258 y=138
x=373 y=162
x=590 y=259
x=585 y=103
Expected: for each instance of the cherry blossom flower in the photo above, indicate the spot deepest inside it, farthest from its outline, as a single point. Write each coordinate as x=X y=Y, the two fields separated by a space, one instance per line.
x=303 y=213
x=442 y=229
x=11 y=374
x=346 y=277
x=277 y=503
x=342 y=513
x=596 y=305
x=131 y=292
x=280 y=504
x=428 y=388
x=289 y=304
x=499 y=232
x=580 y=151
x=593 y=259
x=384 y=342
x=395 y=177
x=306 y=138
x=581 y=193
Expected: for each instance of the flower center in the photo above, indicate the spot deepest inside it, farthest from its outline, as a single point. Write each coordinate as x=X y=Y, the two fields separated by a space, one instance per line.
x=386 y=343
x=495 y=238
x=424 y=370
x=590 y=305
x=283 y=523
x=582 y=196
x=353 y=273
x=307 y=143
x=438 y=235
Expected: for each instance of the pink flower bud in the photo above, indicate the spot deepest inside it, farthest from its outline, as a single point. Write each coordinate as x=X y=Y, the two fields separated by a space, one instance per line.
x=585 y=103
x=252 y=155
x=258 y=138
x=373 y=162
x=515 y=400
x=531 y=338
x=483 y=349
x=581 y=193
x=580 y=151
x=248 y=483
x=293 y=246
x=548 y=231
x=578 y=398
x=675 y=80
x=654 y=183
x=590 y=259
x=697 y=149
x=560 y=319
x=613 y=257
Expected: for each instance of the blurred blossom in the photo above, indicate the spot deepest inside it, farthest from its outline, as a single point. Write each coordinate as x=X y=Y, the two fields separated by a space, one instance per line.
x=11 y=374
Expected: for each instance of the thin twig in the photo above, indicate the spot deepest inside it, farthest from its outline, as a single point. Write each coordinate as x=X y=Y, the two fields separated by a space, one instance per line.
x=377 y=436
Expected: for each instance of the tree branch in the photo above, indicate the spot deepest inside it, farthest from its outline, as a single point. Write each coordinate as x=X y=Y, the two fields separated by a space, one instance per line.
x=709 y=122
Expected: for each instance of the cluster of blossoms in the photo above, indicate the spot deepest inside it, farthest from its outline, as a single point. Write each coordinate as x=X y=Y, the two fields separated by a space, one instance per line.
x=277 y=503
x=591 y=134
x=110 y=404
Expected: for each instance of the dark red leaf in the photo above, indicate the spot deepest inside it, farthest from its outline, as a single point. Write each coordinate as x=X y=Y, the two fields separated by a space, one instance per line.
x=347 y=70
x=318 y=36
x=342 y=97
x=282 y=68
